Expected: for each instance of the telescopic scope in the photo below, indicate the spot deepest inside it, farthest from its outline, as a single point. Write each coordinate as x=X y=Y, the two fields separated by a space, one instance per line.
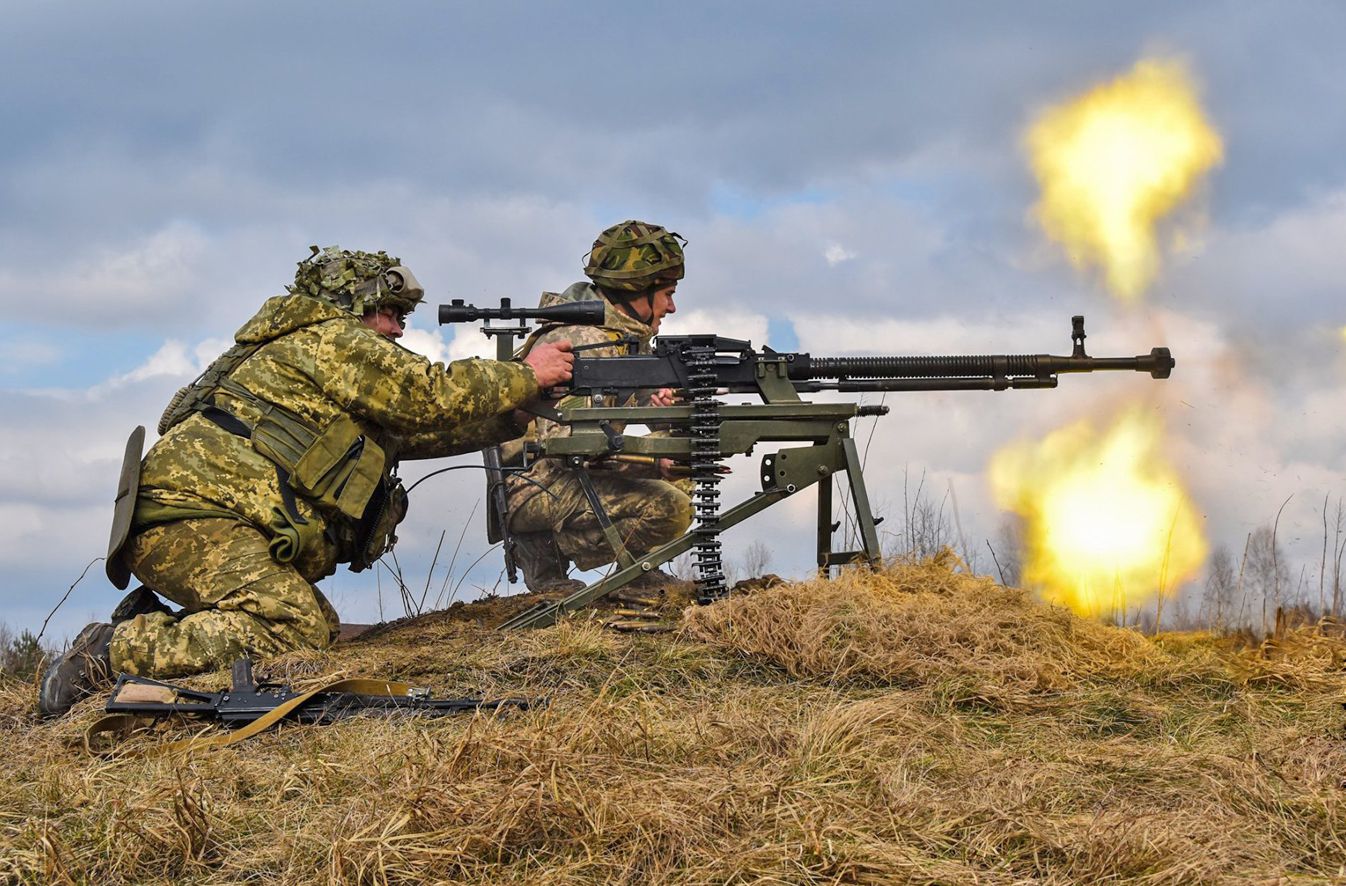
x=580 y=313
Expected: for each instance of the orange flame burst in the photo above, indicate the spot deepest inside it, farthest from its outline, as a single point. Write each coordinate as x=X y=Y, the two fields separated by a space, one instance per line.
x=1108 y=524
x=1114 y=161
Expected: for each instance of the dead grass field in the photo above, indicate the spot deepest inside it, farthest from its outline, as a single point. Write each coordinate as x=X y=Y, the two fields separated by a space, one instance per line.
x=914 y=726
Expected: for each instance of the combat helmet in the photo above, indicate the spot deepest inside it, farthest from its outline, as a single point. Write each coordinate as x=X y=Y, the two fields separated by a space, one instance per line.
x=357 y=281
x=634 y=256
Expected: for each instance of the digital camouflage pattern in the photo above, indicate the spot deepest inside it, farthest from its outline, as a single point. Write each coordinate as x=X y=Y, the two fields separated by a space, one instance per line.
x=646 y=511
x=321 y=363
x=236 y=600
x=635 y=255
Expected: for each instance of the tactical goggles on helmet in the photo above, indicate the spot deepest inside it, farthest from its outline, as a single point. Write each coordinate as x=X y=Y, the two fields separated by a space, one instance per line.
x=396 y=289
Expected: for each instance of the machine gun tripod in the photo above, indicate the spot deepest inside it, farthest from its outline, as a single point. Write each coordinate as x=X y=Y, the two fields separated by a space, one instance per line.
x=707 y=431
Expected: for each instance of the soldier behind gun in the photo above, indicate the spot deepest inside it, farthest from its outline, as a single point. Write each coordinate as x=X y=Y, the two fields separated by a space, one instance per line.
x=634 y=268
x=277 y=464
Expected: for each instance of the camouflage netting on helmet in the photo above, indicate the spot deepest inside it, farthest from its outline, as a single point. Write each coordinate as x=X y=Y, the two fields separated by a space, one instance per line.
x=635 y=255
x=357 y=281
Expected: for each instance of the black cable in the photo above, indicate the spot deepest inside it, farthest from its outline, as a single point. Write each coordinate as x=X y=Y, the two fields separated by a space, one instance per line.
x=517 y=472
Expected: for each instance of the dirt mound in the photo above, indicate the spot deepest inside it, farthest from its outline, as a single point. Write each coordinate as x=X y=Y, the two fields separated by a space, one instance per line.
x=916 y=725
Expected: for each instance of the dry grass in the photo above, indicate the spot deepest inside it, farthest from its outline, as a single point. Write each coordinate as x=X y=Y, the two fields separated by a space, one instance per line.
x=912 y=726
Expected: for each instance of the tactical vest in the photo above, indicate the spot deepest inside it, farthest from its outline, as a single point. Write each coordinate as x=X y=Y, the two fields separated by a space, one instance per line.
x=343 y=473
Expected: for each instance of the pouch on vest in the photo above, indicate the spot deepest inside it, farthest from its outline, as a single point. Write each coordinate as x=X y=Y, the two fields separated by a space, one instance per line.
x=341 y=469
x=337 y=469
x=290 y=537
x=128 y=484
x=376 y=530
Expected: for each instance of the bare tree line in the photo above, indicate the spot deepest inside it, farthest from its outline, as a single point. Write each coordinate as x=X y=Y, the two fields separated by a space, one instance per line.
x=1247 y=589
x=1250 y=591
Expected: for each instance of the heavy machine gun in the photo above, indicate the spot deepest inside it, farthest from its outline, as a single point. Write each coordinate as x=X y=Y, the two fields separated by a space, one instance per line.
x=707 y=430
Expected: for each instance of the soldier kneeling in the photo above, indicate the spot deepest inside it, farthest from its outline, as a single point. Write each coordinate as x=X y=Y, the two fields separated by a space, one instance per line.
x=279 y=463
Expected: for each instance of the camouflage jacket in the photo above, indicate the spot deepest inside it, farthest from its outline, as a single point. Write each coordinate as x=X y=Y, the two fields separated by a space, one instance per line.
x=323 y=365
x=617 y=325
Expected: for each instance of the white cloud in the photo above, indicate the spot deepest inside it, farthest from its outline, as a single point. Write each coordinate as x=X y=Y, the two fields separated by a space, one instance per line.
x=725 y=322
x=835 y=254
x=468 y=341
x=838 y=334
x=428 y=343
x=173 y=360
x=136 y=278
x=1283 y=270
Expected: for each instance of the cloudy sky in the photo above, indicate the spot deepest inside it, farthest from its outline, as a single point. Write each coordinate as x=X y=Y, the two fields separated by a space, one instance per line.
x=850 y=178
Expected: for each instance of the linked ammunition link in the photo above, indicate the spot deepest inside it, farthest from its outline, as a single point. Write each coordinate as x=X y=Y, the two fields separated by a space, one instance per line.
x=705 y=434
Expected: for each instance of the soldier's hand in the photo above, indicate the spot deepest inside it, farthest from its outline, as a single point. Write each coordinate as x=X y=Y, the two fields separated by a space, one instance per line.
x=552 y=363
x=663 y=397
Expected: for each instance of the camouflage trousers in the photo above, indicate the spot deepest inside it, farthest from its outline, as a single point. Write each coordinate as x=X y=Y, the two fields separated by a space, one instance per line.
x=646 y=514
x=236 y=599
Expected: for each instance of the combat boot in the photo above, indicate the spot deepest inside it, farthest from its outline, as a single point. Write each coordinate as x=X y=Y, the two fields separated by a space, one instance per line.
x=544 y=568
x=141 y=601
x=85 y=668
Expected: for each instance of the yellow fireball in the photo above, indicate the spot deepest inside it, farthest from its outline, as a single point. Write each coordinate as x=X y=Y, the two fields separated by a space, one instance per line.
x=1114 y=161
x=1108 y=523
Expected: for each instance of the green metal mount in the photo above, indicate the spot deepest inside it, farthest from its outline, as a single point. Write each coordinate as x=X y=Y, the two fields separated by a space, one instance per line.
x=831 y=451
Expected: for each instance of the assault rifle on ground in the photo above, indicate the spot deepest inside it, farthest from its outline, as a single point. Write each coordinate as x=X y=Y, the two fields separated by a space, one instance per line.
x=250 y=707
x=706 y=431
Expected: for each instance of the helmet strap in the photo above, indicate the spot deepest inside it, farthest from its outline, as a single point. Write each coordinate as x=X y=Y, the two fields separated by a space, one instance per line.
x=626 y=305
x=625 y=308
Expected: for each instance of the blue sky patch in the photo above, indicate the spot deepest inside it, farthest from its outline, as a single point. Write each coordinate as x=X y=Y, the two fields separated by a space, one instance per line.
x=76 y=361
x=781 y=335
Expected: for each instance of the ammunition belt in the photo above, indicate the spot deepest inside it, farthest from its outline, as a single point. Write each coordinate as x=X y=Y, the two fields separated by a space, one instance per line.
x=706 y=456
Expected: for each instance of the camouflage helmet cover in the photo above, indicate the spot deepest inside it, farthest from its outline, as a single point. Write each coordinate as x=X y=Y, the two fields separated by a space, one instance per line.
x=635 y=255
x=357 y=281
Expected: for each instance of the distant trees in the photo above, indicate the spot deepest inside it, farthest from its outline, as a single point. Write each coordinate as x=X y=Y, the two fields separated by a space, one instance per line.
x=1008 y=550
x=928 y=526
x=20 y=655
x=1266 y=577
x=1263 y=588
x=756 y=559
x=1332 y=566
x=1253 y=590
x=1218 y=597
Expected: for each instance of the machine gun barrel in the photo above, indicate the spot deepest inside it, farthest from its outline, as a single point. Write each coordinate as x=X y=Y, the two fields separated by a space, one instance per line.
x=1022 y=367
x=1159 y=363
x=739 y=368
